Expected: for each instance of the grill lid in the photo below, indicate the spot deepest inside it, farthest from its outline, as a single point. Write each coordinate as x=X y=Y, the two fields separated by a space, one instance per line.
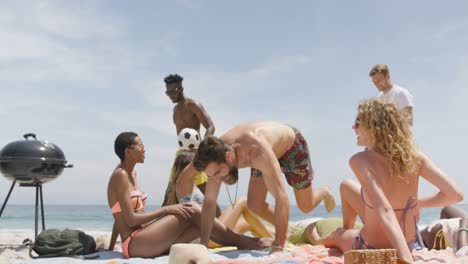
x=32 y=150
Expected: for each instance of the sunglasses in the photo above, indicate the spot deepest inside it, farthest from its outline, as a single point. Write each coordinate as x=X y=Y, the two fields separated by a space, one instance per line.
x=173 y=92
x=139 y=146
x=357 y=122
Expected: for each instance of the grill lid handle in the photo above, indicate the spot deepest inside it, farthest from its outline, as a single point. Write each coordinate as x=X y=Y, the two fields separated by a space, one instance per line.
x=30 y=135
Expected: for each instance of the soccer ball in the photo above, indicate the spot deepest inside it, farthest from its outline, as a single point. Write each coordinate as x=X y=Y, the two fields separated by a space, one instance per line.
x=188 y=139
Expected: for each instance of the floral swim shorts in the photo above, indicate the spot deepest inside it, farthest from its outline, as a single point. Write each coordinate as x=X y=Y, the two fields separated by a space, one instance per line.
x=295 y=164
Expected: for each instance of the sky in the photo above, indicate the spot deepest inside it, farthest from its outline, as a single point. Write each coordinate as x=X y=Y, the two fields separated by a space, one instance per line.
x=77 y=73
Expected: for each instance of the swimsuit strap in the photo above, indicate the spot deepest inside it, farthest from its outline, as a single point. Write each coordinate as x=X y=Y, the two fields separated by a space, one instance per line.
x=364 y=200
x=140 y=196
x=410 y=205
x=418 y=235
x=360 y=243
x=355 y=243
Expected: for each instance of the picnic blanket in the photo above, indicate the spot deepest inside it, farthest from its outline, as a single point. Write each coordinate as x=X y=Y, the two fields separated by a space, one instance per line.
x=308 y=254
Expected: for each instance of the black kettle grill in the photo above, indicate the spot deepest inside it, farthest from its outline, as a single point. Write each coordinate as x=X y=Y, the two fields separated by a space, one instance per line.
x=31 y=163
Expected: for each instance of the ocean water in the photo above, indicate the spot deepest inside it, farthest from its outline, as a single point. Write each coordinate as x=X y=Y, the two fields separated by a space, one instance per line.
x=99 y=217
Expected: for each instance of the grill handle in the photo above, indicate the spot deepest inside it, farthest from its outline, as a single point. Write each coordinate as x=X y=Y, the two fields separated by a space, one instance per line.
x=30 y=135
x=68 y=166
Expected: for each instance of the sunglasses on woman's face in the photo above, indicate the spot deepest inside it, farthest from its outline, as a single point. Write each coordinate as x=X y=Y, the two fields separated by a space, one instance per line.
x=357 y=122
x=142 y=147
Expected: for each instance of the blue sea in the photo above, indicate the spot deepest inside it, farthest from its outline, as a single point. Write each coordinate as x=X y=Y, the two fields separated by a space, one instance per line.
x=99 y=218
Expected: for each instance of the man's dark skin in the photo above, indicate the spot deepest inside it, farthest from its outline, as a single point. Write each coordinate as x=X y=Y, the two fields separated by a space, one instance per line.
x=187 y=112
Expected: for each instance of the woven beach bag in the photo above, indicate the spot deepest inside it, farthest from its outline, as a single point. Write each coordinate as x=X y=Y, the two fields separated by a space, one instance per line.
x=370 y=256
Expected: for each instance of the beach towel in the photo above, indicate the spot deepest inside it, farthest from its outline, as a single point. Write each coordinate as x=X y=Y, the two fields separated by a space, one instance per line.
x=324 y=226
x=450 y=229
x=328 y=225
x=296 y=230
x=319 y=254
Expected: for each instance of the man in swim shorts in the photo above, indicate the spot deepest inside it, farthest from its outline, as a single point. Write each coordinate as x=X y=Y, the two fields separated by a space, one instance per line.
x=268 y=148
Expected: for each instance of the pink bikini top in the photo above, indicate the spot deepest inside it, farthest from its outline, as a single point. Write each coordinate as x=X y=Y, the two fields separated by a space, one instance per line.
x=137 y=199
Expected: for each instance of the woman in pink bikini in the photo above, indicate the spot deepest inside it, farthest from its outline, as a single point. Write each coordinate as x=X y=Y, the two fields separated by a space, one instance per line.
x=150 y=234
x=386 y=197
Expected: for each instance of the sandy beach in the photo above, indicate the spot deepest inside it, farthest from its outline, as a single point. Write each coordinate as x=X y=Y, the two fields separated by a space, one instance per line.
x=12 y=251
x=11 y=248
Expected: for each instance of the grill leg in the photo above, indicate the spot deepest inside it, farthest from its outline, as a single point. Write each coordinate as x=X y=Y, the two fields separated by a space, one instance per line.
x=8 y=196
x=42 y=208
x=37 y=201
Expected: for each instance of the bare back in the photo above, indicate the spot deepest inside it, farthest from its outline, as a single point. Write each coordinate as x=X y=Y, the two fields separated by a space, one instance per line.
x=279 y=136
x=398 y=191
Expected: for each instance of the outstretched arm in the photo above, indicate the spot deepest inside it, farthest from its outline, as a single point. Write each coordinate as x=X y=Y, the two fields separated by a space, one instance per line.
x=203 y=117
x=267 y=162
x=382 y=206
x=449 y=193
x=202 y=188
x=209 y=209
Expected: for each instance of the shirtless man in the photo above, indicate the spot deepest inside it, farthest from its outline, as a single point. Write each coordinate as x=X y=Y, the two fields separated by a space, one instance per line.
x=268 y=148
x=188 y=113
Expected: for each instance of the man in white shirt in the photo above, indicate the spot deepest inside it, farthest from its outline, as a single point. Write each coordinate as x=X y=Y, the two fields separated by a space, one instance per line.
x=392 y=93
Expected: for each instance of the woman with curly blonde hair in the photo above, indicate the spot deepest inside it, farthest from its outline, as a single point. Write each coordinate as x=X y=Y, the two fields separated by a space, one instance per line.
x=386 y=197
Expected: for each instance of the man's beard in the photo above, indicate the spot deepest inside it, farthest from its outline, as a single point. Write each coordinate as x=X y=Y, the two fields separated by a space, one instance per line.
x=233 y=175
x=177 y=99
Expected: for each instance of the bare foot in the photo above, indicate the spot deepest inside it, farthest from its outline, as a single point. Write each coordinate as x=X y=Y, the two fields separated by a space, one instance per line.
x=329 y=201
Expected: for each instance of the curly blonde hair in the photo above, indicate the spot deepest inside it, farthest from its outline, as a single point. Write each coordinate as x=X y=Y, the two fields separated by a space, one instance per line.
x=390 y=133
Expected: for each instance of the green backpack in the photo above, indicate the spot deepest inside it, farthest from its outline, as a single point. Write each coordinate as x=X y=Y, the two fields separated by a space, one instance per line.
x=61 y=243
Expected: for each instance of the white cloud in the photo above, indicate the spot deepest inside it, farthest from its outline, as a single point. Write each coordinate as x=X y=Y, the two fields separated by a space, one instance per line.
x=73 y=44
x=39 y=48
